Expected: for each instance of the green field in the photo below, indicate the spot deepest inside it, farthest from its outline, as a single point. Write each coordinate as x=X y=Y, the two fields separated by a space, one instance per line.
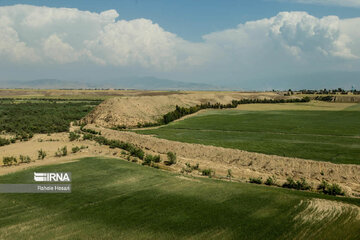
x=332 y=136
x=115 y=199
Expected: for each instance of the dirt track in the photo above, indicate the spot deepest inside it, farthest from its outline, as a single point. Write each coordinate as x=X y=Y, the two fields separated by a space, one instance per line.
x=245 y=164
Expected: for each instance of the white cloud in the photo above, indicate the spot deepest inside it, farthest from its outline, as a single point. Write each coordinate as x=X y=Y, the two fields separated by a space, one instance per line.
x=64 y=35
x=58 y=51
x=296 y=33
x=43 y=35
x=344 y=3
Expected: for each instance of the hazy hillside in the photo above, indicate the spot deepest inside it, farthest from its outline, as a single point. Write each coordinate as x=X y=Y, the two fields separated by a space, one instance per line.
x=144 y=83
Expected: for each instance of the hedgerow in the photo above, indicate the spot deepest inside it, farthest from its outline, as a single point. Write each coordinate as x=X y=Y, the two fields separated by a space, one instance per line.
x=299 y=185
x=180 y=112
x=132 y=149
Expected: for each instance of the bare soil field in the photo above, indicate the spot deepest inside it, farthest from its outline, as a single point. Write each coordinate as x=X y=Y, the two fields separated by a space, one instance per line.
x=78 y=94
x=129 y=111
x=50 y=144
x=244 y=164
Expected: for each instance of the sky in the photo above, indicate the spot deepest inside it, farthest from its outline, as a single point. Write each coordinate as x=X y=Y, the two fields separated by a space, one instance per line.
x=249 y=44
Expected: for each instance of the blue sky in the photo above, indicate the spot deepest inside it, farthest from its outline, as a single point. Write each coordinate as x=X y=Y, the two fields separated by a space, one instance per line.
x=277 y=43
x=190 y=19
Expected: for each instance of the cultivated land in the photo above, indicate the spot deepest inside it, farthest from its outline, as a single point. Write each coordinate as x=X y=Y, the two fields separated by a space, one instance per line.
x=317 y=131
x=114 y=199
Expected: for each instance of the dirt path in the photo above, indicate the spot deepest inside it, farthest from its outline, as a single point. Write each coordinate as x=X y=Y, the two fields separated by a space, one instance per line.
x=245 y=164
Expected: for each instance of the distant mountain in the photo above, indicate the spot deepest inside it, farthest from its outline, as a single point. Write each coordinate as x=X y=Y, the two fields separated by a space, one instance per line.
x=141 y=83
x=43 y=84
x=152 y=83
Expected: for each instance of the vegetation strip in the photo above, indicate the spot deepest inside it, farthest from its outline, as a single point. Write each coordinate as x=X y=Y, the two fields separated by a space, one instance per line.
x=180 y=112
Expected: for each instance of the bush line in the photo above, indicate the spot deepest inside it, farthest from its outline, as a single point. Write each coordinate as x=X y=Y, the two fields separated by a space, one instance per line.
x=302 y=184
x=180 y=112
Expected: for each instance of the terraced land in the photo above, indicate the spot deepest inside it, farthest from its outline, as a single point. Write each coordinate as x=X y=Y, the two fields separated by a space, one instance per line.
x=116 y=199
x=314 y=131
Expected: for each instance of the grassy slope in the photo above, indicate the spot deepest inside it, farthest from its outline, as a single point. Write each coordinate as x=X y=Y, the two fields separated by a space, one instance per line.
x=320 y=135
x=114 y=199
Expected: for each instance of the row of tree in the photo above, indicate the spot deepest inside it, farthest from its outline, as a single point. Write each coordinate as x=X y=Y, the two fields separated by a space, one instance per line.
x=182 y=111
x=329 y=91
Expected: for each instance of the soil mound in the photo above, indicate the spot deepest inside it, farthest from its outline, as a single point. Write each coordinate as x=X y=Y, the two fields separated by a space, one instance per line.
x=129 y=111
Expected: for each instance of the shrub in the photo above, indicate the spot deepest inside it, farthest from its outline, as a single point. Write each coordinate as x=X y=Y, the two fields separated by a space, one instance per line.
x=157 y=159
x=75 y=149
x=329 y=189
x=41 y=154
x=90 y=131
x=8 y=161
x=190 y=168
x=229 y=174
x=61 y=152
x=73 y=136
x=148 y=159
x=137 y=152
x=171 y=158
x=88 y=136
x=299 y=185
x=4 y=141
x=24 y=159
x=255 y=180
x=208 y=172
x=119 y=127
x=270 y=181
x=187 y=169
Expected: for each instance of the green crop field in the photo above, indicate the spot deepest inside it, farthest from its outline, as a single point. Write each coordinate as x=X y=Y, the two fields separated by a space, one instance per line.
x=115 y=199
x=332 y=136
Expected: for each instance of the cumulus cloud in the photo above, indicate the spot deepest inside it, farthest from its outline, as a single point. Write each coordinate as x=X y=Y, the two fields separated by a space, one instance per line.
x=64 y=35
x=296 y=33
x=43 y=35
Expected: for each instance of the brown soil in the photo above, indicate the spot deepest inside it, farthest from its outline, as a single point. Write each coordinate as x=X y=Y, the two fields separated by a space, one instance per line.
x=130 y=111
x=57 y=93
x=50 y=144
x=244 y=164
x=348 y=98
